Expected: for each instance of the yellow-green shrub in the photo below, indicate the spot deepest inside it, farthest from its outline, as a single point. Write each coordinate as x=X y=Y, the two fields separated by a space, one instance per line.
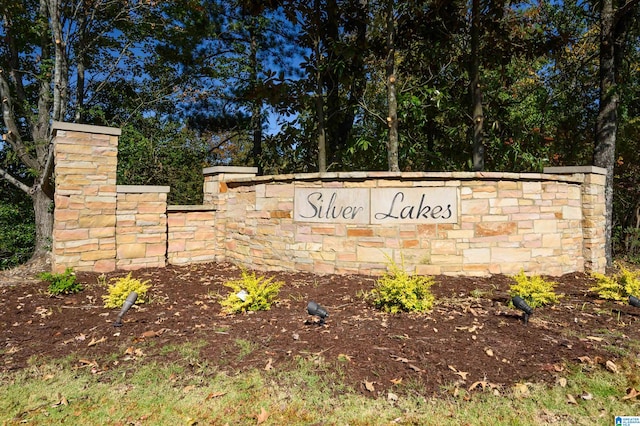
x=619 y=286
x=120 y=289
x=535 y=290
x=261 y=293
x=397 y=290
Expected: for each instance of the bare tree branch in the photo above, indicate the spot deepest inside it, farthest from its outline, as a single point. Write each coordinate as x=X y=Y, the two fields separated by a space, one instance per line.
x=23 y=187
x=624 y=10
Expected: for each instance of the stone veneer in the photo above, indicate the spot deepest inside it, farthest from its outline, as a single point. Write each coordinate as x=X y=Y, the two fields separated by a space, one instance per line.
x=543 y=223
x=141 y=226
x=84 y=230
x=192 y=235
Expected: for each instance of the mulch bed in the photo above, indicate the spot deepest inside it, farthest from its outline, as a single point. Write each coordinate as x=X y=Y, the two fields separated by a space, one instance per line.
x=470 y=340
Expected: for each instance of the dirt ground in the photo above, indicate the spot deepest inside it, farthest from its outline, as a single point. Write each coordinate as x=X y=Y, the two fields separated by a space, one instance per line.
x=471 y=339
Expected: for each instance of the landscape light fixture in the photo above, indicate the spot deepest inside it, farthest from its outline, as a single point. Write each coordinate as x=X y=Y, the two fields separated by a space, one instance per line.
x=128 y=303
x=519 y=303
x=634 y=301
x=242 y=295
x=314 y=309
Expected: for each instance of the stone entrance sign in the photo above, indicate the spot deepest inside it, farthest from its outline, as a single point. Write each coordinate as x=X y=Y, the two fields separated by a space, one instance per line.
x=453 y=223
x=376 y=205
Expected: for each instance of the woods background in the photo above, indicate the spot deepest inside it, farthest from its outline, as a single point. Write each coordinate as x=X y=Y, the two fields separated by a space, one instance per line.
x=320 y=85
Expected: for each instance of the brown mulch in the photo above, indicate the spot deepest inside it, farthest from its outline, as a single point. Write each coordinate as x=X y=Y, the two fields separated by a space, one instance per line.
x=471 y=339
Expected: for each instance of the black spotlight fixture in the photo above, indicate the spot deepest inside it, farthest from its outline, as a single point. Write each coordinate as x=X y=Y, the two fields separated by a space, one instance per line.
x=128 y=303
x=519 y=303
x=314 y=309
x=634 y=301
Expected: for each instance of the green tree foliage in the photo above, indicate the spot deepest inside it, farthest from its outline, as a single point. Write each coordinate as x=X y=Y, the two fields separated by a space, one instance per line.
x=194 y=83
x=17 y=227
x=163 y=153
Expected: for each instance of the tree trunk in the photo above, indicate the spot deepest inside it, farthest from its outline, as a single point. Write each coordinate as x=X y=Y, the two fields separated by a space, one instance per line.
x=475 y=89
x=607 y=120
x=392 y=117
x=322 y=139
x=256 y=108
x=43 y=208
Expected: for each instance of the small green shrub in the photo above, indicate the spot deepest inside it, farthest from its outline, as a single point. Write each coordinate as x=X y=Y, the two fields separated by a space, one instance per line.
x=619 y=286
x=261 y=293
x=120 y=289
x=397 y=290
x=64 y=283
x=535 y=290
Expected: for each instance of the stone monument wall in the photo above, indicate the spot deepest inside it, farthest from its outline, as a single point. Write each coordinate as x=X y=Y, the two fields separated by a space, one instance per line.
x=456 y=223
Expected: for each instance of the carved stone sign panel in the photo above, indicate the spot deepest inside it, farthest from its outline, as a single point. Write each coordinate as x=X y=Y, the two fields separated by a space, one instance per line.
x=376 y=205
x=341 y=205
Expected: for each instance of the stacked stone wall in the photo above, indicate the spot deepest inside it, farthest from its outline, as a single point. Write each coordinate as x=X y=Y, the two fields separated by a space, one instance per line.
x=192 y=235
x=141 y=227
x=508 y=222
x=548 y=223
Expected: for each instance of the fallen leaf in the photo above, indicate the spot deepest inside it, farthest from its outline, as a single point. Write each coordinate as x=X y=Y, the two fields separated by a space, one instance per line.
x=396 y=381
x=88 y=362
x=152 y=333
x=595 y=339
x=611 y=366
x=474 y=385
x=462 y=374
x=521 y=389
x=263 y=416
x=62 y=400
x=398 y=358
x=632 y=393
x=369 y=386
x=562 y=382
x=392 y=397
x=571 y=400
x=489 y=351
x=585 y=359
x=586 y=396
x=344 y=357
x=215 y=395
x=415 y=368
x=269 y=365
x=188 y=389
x=94 y=342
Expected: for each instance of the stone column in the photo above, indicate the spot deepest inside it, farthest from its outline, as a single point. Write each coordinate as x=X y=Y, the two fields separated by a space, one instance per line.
x=593 y=214
x=85 y=197
x=215 y=195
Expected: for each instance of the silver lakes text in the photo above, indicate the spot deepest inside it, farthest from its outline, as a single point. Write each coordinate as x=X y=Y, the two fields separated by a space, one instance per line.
x=376 y=205
x=399 y=209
